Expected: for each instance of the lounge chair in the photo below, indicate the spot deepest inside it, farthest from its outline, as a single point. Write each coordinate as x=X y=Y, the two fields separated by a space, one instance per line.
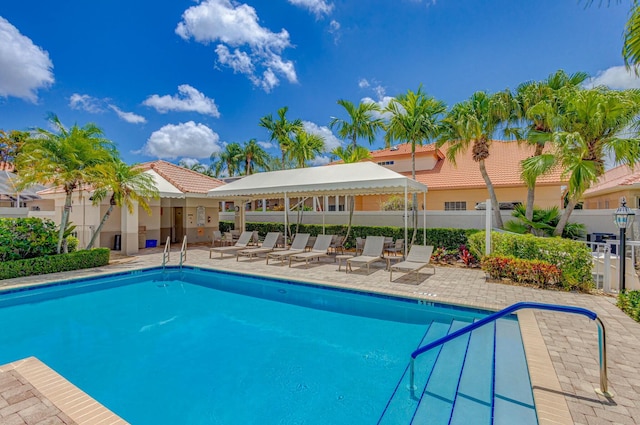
x=217 y=239
x=418 y=258
x=320 y=249
x=268 y=245
x=396 y=248
x=371 y=252
x=242 y=243
x=359 y=245
x=297 y=246
x=337 y=244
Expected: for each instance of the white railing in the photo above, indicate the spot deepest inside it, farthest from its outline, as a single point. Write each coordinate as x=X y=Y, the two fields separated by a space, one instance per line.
x=606 y=265
x=183 y=251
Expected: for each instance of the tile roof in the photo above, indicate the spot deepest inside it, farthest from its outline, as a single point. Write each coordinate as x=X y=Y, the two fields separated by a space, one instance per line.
x=503 y=167
x=405 y=149
x=622 y=175
x=187 y=181
x=6 y=166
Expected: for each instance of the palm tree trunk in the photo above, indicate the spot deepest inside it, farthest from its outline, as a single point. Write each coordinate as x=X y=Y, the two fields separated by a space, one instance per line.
x=492 y=194
x=564 y=218
x=96 y=233
x=528 y=214
x=64 y=220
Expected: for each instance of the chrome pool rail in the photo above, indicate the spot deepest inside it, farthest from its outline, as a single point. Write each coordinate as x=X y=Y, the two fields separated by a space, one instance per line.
x=183 y=251
x=602 y=343
x=166 y=254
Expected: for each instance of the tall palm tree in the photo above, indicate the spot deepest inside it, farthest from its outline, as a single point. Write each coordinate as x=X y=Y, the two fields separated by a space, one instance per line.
x=472 y=123
x=350 y=155
x=254 y=156
x=69 y=158
x=414 y=118
x=127 y=185
x=229 y=159
x=197 y=167
x=595 y=124
x=361 y=123
x=305 y=147
x=631 y=47
x=538 y=108
x=282 y=130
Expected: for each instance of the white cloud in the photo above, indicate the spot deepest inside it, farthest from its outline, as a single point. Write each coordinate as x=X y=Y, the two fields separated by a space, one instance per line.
x=129 y=117
x=334 y=29
x=318 y=7
x=24 y=67
x=363 y=83
x=320 y=160
x=85 y=102
x=382 y=103
x=266 y=145
x=187 y=99
x=237 y=25
x=189 y=162
x=330 y=140
x=616 y=78
x=182 y=140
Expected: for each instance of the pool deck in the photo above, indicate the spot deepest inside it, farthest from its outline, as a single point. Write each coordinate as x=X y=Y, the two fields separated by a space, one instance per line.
x=562 y=349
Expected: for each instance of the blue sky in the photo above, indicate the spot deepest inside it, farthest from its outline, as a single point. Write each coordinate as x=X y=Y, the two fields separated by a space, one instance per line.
x=179 y=79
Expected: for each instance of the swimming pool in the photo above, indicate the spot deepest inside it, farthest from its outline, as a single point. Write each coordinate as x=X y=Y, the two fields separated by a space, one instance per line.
x=204 y=347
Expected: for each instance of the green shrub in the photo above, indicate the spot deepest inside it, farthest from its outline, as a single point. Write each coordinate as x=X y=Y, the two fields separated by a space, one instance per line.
x=629 y=302
x=27 y=238
x=573 y=258
x=55 y=263
x=535 y=272
x=450 y=239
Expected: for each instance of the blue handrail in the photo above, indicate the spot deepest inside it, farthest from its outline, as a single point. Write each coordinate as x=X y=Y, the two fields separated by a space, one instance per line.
x=519 y=306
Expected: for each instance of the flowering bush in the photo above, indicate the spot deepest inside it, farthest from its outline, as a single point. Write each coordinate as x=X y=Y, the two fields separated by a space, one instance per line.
x=534 y=272
x=466 y=257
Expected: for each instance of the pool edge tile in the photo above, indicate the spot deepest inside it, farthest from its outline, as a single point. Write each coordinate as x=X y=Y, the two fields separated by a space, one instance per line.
x=551 y=406
x=63 y=394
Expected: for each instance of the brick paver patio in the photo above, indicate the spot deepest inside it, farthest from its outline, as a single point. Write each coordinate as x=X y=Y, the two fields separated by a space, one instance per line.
x=570 y=341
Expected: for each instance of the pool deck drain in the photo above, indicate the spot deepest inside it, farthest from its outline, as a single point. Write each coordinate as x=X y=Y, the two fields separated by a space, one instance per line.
x=561 y=349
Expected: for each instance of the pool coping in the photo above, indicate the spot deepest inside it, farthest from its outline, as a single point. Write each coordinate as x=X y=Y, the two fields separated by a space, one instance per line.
x=551 y=406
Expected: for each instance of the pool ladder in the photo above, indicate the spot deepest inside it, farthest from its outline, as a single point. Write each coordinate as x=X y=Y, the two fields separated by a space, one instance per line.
x=166 y=254
x=602 y=343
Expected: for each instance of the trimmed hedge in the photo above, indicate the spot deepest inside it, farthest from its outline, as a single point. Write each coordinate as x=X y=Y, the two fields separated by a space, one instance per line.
x=629 y=302
x=447 y=238
x=535 y=272
x=55 y=263
x=573 y=258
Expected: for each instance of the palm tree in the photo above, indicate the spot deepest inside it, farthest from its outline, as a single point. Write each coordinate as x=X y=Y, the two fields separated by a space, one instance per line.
x=254 y=156
x=414 y=118
x=472 y=123
x=305 y=147
x=538 y=107
x=127 y=185
x=596 y=124
x=361 y=122
x=631 y=46
x=69 y=158
x=197 y=167
x=228 y=159
x=350 y=155
x=11 y=144
x=281 y=130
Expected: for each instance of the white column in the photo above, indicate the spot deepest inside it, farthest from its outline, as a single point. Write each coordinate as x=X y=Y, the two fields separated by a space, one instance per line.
x=406 y=232
x=129 y=229
x=337 y=203
x=315 y=205
x=224 y=206
x=264 y=205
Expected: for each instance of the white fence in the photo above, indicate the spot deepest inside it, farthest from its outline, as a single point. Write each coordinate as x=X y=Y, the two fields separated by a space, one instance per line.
x=606 y=263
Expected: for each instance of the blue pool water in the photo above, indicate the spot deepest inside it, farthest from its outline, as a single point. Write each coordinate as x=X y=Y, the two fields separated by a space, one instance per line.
x=204 y=347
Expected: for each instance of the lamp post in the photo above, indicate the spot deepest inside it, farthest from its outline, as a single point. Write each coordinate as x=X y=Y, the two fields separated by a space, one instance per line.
x=623 y=218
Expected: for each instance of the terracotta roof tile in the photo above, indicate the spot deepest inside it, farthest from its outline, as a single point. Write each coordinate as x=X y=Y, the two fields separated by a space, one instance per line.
x=503 y=167
x=187 y=181
x=405 y=149
x=7 y=166
x=621 y=175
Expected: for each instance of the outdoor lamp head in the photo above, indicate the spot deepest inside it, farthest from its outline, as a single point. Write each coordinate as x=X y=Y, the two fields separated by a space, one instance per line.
x=624 y=215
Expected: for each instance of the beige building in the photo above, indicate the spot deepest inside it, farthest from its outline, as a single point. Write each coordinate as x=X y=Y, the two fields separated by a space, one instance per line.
x=460 y=186
x=611 y=186
x=183 y=209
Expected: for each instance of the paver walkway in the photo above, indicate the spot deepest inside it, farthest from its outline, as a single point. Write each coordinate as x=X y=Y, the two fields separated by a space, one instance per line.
x=571 y=340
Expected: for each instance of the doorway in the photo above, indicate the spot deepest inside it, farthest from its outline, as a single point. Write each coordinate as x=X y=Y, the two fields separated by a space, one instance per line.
x=178 y=224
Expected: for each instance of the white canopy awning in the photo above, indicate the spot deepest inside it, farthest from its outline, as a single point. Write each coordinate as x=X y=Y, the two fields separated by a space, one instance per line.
x=165 y=189
x=362 y=178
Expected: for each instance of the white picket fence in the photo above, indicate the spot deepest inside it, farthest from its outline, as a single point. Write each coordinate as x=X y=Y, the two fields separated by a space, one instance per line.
x=606 y=272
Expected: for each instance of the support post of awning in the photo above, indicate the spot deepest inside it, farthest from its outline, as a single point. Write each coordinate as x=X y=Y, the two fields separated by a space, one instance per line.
x=286 y=214
x=406 y=232
x=424 y=218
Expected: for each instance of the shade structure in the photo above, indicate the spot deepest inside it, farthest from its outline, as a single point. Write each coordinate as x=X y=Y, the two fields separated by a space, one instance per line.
x=8 y=188
x=362 y=178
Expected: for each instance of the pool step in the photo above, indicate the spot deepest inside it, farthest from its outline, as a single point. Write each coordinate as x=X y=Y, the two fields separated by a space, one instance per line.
x=478 y=378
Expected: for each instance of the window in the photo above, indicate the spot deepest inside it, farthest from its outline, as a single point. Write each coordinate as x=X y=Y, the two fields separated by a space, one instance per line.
x=386 y=163
x=455 y=206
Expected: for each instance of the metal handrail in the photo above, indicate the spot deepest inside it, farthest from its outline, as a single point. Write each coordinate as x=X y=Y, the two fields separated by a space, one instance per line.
x=183 y=251
x=166 y=254
x=602 y=343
